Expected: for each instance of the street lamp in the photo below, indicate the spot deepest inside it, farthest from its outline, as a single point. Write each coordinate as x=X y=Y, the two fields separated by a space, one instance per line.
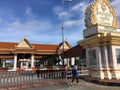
x=62 y=27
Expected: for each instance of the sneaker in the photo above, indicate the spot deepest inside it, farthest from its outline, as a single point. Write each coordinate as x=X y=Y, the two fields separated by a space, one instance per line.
x=77 y=84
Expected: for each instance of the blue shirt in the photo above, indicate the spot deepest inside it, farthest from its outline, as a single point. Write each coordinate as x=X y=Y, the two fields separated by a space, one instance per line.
x=75 y=73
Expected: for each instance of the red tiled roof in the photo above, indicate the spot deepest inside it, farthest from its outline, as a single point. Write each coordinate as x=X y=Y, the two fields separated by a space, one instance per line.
x=7 y=45
x=4 y=51
x=43 y=47
x=76 y=51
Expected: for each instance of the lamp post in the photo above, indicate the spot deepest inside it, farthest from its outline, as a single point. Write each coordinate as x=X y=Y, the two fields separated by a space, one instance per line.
x=62 y=27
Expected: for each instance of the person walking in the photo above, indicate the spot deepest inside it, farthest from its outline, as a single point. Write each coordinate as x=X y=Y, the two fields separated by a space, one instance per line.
x=74 y=74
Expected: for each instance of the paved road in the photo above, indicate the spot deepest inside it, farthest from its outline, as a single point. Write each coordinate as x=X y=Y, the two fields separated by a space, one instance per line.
x=83 y=85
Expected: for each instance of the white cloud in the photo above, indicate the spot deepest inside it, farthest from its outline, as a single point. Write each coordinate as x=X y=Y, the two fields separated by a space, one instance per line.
x=74 y=34
x=58 y=11
x=39 y=31
x=80 y=6
x=29 y=13
x=35 y=30
x=74 y=22
x=74 y=15
x=116 y=4
x=45 y=31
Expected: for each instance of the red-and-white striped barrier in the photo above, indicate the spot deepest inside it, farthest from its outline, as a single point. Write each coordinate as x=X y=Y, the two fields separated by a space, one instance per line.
x=36 y=77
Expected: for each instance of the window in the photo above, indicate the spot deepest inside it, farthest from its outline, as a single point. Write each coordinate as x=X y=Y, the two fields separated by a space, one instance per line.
x=24 y=63
x=109 y=55
x=92 y=57
x=118 y=55
x=102 y=55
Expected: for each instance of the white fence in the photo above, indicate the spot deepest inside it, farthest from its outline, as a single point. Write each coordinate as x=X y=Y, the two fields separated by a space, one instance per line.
x=80 y=73
x=27 y=79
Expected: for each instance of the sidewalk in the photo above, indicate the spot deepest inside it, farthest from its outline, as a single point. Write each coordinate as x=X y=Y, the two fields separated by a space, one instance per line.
x=83 y=85
x=106 y=82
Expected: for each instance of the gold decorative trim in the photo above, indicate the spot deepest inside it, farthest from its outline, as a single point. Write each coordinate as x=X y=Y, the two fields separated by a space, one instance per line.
x=91 y=18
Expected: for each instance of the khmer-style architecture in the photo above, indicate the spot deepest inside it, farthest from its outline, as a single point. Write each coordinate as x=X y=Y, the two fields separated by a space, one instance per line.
x=24 y=54
x=102 y=40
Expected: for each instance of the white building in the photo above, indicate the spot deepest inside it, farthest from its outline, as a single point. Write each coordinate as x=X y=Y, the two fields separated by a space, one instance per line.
x=102 y=40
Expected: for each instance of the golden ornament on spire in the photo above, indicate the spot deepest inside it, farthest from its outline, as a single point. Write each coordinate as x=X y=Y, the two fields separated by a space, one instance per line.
x=100 y=12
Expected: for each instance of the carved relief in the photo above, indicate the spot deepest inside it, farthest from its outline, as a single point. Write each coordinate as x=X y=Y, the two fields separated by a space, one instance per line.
x=103 y=6
x=100 y=12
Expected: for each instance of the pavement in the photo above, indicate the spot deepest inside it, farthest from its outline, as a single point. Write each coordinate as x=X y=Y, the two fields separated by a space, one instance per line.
x=83 y=85
x=112 y=82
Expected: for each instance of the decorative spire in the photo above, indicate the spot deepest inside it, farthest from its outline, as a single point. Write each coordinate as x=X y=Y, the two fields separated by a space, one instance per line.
x=100 y=12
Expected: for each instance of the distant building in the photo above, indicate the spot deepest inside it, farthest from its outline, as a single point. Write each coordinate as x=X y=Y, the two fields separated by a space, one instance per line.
x=74 y=55
x=23 y=55
x=102 y=40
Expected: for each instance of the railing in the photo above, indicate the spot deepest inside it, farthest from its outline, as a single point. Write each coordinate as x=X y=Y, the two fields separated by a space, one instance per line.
x=26 y=79
x=81 y=73
x=36 y=77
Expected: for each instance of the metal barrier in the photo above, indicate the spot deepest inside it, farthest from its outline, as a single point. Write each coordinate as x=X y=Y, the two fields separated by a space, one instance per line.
x=81 y=73
x=25 y=79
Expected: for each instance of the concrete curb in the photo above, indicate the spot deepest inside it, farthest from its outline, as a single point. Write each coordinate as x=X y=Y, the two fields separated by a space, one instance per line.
x=100 y=82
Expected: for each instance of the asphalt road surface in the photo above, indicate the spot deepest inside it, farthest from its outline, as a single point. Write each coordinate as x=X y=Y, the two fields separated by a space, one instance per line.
x=83 y=85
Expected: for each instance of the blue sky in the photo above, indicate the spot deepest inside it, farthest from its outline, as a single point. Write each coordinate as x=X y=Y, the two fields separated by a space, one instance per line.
x=40 y=20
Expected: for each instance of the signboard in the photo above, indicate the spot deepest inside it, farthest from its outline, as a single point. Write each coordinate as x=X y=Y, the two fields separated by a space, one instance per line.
x=108 y=28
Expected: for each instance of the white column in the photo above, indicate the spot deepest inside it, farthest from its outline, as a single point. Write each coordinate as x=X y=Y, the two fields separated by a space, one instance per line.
x=114 y=62
x=107 y=73
x=15 y=62
x=98 y=53
x=21 y=64
x=68 y=64
x=65 y=61
x=72 y=61
x=4 y=63
x=113 y=56
x=105 y=57
x=32 y=60
x=87 y=58
x=60 y=58
x=99 y=63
